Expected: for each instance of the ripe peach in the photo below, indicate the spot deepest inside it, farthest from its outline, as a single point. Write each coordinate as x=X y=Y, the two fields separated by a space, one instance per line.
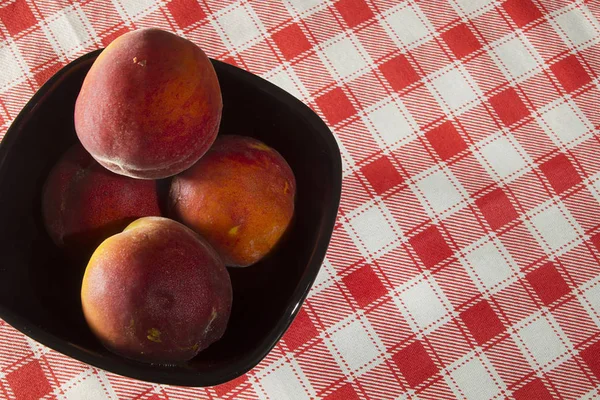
x=83 y=203
x=239 y=196
x=157 y=292
x=150 y=106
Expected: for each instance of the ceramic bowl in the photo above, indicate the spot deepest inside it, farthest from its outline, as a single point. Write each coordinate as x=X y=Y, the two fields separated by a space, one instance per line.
x=39 y=286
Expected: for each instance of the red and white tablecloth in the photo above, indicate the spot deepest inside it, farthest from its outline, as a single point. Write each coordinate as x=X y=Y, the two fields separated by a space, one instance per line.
x=465 y=260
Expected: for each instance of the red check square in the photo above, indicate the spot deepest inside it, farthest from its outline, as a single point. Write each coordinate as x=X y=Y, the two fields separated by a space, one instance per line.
x=17 y=17
x=595 y=239
x=346 y=392
x=354 y=11
x=482 y=322
x=291 y=41
x=301 y=331
x=461 y=40
x=430 y=246
x=509 y=106
x=29 y=381
x=522 y=12
x=399 y=72
x=570 y=73
x=382 y=175
x=446 y=140
x=534 y=390
x=548 y=283
x=560 y=173
x=415 y=364
x=335 y=106
x=496 y=208
x=364 y=285
x=591 y=356
x=186 y=12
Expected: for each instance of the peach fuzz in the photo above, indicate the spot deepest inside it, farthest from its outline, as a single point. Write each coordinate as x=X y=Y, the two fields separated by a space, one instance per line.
x=83 y=203
x=157 y=292
x=239 y=196
x=150 y=106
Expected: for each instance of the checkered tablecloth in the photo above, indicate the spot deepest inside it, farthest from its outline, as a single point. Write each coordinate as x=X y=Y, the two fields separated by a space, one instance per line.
x=465 y=259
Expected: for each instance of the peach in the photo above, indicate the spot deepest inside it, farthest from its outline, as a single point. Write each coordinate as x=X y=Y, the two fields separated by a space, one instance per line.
x=239 y=196
x=83 y=203
x=150 y=106
x=157 y=292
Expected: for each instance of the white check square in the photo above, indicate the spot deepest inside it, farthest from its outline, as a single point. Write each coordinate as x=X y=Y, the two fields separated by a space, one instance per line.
x=577 y=26
x=455 y=90
x=302 y=6
x=14 y=68
x=238 y=25
x=516 y=58
x=564 y=123
x=89 y=385
x=471 y=6
x=407 y=25
x=489 y=264
x=284 y=381
x=357 y=345
x=423 y=303
x=543 y=340
x=130 y=9
x=555 y=228
x=504 y=155
x=344 y=56
x=70 y=31
x=473 y=379
x=391 y=122
x=440 y=191
x=373 y=229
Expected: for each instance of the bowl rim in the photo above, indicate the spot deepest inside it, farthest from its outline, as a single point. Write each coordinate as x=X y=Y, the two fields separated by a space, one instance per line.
x=191 y=378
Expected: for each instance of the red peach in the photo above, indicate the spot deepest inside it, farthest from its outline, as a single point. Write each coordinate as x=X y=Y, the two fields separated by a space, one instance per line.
x=83 y=203
x=150 y=106
x=239 y=196
x=157 y=292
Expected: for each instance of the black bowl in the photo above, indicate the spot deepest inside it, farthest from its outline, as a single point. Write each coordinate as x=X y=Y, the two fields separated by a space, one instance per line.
x=39 y=287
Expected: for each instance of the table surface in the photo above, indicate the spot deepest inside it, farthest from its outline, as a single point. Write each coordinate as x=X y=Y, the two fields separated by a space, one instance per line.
x=465 y=259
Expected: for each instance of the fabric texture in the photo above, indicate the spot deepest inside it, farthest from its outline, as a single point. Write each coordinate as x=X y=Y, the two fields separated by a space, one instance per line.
x=465 y=259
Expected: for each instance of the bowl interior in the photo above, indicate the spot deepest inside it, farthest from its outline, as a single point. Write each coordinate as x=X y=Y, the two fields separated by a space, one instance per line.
x=39 y=287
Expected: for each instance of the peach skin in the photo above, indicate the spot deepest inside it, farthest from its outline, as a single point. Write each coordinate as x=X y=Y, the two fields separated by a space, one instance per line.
x=156 y=292
x=150 y=106
x=83 y=203
x=239 y=196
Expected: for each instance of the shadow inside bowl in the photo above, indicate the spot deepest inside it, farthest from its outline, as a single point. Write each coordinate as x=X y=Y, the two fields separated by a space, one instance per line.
x=39 y=286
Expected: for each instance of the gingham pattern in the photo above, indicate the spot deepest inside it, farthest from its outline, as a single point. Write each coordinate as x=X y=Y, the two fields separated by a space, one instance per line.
x=465 y=259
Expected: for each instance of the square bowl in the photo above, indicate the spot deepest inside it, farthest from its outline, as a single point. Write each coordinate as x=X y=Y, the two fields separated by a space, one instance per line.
x=39 y=286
